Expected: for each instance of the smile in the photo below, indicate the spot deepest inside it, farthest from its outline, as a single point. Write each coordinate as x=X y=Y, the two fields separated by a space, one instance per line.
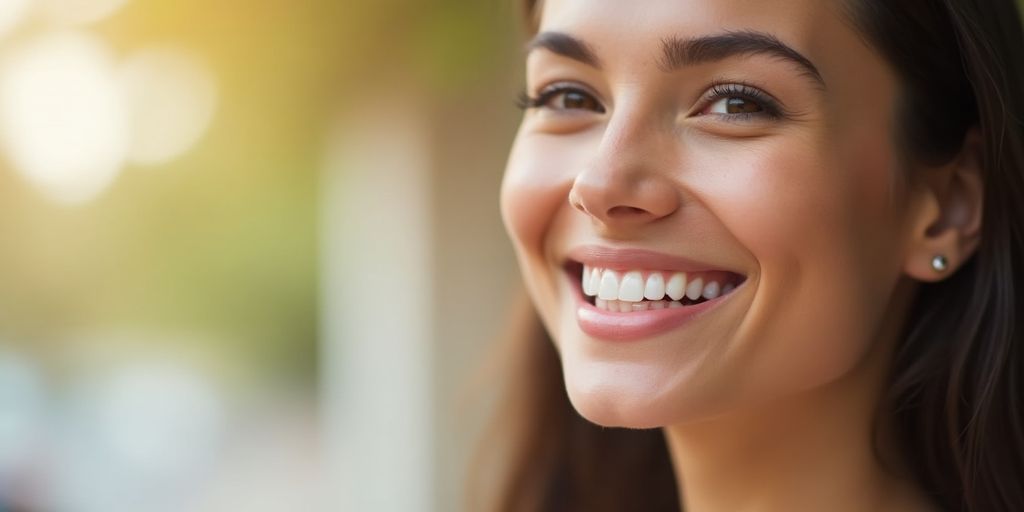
x=640 y=290
x=618 y=299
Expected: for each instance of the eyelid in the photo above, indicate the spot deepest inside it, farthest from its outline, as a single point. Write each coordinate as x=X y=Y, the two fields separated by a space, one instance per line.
x=549 y=91
x=721 y=89
x=561 y=85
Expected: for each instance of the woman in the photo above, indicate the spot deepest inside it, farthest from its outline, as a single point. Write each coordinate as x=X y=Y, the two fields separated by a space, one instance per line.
x=778 y=245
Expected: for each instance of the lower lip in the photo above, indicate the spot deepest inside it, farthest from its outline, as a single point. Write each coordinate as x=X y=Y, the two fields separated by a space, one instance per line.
x=636 y=325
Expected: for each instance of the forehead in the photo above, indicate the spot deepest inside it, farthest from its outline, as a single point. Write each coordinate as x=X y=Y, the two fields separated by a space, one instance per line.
x=819 y=29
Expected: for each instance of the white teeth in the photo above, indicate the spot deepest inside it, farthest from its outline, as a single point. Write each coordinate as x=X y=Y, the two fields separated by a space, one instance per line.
x=594 y=281
x=655 y=288
x=639 y=306
x=711 y=290
x=632 y=287
x=625 y=292
x=609 y=289
x=694 y=289
x=621 y=306
x=676 y=286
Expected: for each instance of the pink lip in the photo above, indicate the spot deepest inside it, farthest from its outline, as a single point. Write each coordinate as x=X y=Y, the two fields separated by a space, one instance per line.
x=629 y=259
x=615 y=326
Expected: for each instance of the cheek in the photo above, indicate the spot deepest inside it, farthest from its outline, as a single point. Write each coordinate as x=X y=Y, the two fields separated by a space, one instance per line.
x=534 y=204
x=536 y=185
x=819 y=225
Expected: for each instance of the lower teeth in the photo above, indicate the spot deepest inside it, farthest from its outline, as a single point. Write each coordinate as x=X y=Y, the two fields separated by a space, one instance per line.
x=627 y=307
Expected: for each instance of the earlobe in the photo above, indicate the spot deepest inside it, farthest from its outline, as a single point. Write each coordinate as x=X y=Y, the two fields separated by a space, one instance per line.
x=933 y=254
x=946 y=229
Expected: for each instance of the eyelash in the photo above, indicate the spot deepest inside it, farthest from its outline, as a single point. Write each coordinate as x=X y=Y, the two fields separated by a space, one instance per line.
x=527 y=102
x=719 y=90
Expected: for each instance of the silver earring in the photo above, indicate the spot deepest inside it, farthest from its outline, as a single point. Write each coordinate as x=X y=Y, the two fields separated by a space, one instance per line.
x=940 y=263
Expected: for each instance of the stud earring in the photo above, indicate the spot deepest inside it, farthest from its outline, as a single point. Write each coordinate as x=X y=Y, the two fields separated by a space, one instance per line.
x=940 y=263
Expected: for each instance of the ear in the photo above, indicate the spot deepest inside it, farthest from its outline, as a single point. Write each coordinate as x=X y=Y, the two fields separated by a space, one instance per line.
x=947 y=220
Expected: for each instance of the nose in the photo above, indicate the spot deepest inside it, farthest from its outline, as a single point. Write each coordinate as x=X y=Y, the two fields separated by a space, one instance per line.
x=629 y=182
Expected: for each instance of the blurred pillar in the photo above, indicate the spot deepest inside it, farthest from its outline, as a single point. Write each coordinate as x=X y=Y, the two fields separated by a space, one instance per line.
x=376 y=317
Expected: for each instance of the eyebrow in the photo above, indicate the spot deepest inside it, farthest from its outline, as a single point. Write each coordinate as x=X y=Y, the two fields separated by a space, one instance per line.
x=565 y=45
x=678 y=52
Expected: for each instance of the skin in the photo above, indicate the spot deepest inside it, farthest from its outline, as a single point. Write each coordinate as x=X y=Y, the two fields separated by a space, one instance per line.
x=768 y=400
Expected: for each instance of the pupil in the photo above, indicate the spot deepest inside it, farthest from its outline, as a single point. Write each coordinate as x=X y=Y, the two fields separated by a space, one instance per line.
x=741 y=106
x=575 y=100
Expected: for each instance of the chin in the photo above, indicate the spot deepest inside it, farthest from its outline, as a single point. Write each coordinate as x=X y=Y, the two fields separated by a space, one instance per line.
x=607 y=413
x=621 y=400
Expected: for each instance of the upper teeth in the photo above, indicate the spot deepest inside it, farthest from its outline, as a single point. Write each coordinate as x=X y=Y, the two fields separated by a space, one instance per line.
x=632 y=286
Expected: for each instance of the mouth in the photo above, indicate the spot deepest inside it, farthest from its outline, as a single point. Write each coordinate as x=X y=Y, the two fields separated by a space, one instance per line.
x=626 y=295
x=627 y=291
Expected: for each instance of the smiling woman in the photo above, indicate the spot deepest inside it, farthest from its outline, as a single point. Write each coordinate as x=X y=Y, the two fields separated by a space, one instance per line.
x=777 y=245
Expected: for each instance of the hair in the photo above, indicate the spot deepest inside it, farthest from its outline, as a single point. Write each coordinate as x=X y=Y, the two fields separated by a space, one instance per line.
x=955 y=392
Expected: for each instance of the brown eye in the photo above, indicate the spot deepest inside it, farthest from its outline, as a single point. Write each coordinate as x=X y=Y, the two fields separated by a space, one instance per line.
x=742 y=103
x=736 y=105
x=567 y=99
x=576 y=100
x=741 y=106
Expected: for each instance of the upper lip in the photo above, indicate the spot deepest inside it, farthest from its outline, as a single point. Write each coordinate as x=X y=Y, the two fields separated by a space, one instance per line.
x=635 y=259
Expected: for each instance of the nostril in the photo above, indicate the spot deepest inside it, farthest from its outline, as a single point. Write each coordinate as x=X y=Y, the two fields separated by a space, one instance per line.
x=576 y=202
x=626 y=211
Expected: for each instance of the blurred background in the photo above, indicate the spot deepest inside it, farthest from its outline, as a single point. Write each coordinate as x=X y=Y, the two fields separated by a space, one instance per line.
x=243 y=247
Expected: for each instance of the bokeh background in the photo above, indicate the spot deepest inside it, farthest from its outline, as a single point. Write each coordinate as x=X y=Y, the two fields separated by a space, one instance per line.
x=250 y=252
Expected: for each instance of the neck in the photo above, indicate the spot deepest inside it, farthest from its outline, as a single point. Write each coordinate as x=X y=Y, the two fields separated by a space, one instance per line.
x=812 y=451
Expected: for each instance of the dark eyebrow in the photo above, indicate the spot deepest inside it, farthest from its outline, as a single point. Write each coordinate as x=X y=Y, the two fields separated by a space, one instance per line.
x=566 y=46
x=678 y=52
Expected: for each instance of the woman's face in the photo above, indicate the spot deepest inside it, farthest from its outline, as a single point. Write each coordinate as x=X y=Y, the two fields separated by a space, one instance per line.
x=721 y=175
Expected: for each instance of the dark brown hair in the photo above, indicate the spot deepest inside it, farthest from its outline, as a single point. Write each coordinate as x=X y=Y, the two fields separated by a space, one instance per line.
x=957 y=384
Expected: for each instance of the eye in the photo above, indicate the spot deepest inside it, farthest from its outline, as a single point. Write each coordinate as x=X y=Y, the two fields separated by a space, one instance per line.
x=741 y=102
x=573 y=100
x=562 y=97
x=735 y=105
